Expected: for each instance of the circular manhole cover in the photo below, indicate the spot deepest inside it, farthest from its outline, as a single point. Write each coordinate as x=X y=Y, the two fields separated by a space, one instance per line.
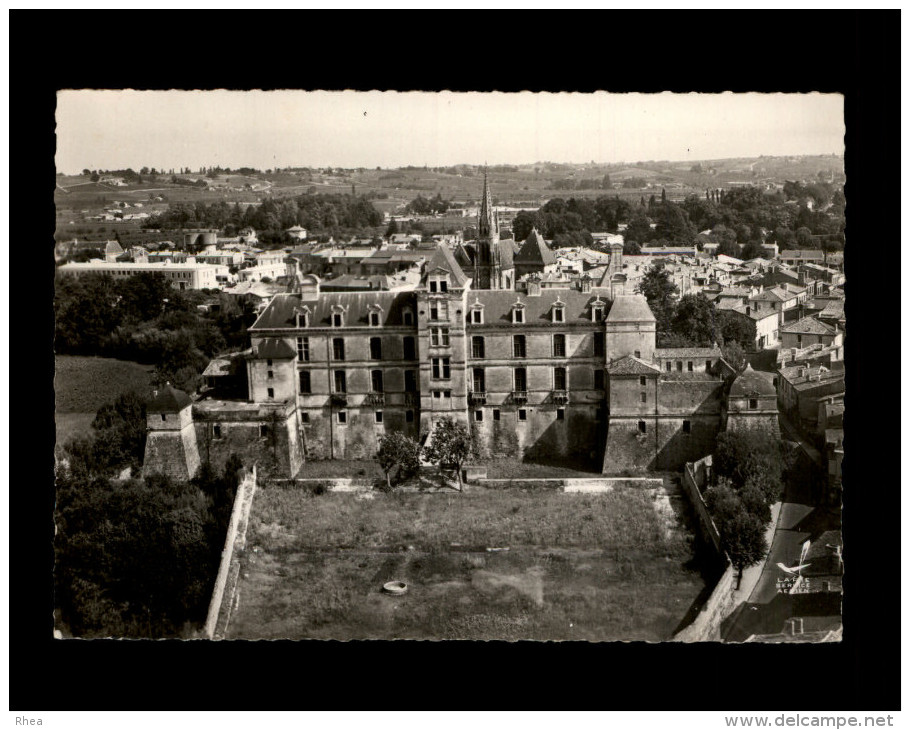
x=395 y=588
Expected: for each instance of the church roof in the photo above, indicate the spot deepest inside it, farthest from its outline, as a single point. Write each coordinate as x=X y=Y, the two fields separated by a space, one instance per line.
x=630 y=308
x=443 y=258
x=535 y=250
x=167 y=400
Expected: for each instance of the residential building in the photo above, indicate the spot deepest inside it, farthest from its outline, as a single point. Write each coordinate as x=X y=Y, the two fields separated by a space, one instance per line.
x=180 y=275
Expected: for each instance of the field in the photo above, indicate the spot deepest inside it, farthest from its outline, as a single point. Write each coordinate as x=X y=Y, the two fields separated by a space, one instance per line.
x=83 y=384
x=564 y=566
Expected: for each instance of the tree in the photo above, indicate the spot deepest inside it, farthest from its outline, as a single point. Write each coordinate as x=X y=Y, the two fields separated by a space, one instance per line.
x=398 y=450
x=694 y=320
x=659 y=290
x=449 y=446
x=639 y=229
x=734 y=327
x=734 y=354
x=755 y=456
x=743 y=537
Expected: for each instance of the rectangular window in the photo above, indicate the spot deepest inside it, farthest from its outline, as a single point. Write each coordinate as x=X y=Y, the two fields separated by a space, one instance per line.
x=378 y=416
x=270 y=375
x=687 y=426
x=263 y=430
x=518 y=316
x=439 y=336
x=376 y=381
x=559 y=314
x=407 y=318
x=679 y=366
x=303 y=349
x=479 y=381
x=518 y=346
x=439 y=311
x=269 y=362
x=598 y=344
x=521 y=379
x=642 y=380
x=522 y=414
x=409 y=416
x=495 y=414
x=447 y=394
x=341 y=382
x=433 y=286
x=753 y=404
x=638 y=353
x=707 y=364
x=441 y=368
x=560 y=414
x=437 y=394
x=410 y=349
x=477 y=347
x=271 y=392
x=305 y=385
x=304 y=417
x=559 y=345
x=342 y=418
x=478 y=416
x=338 y=348
x=598 y=314
x=374 y=319
x=336 y=320
x=216 y=431
x=644 y=397
x=559 y=378
x=689 y=366
x=375 y=348
x=477 y=316
x=410 y=381
x=642 y=427
x=669 y=367
x=598 y=379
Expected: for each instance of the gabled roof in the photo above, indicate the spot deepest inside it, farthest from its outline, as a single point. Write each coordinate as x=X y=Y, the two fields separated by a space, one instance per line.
x=274 y=349
x=630 y=308
x=113 y=247
x=701 y=353
x=809 y=326
x=462 y=256
x=167 y=400
x=631 y=365
x=535 y=250
x=443 y=258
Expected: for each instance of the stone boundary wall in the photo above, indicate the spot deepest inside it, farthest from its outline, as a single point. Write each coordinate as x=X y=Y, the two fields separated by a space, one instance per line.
x=236 y=536
x=694 y=477
x=707 y=624
x=573 y=483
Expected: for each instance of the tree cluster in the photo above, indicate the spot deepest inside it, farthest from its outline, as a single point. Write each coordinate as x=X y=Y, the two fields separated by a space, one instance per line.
x=748 y=469
x=143 y=318
x=427 y=206
x=448 y=447
x=570 y=222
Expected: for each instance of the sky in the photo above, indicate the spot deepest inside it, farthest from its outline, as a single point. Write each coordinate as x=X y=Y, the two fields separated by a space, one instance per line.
x=108 y=129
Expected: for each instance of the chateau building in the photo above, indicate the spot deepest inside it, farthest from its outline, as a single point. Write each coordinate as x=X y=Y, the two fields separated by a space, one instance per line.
x=570 y=374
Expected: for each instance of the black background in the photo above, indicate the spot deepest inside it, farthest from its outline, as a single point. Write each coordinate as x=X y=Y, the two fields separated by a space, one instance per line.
x=855 y=53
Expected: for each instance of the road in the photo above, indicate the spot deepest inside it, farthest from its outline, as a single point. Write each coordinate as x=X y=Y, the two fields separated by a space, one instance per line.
x=767 y=609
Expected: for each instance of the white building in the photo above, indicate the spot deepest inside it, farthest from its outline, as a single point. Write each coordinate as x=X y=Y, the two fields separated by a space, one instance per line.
x=181 y=276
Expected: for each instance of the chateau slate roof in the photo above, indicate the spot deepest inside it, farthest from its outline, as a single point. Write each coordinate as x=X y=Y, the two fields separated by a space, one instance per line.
x=274 y=349
x=443 y=258
x=809 y=326
x=535 y=250
x=279 y=314
x=497 y=304
x=630 y=308
x=751 y=382
x=631 y=365
x=167 y=400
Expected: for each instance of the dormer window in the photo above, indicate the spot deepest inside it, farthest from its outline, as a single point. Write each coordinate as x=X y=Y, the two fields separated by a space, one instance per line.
x=518 y=313
x=407 y=317
x=597 y=310
x=559 y=312
x=375 y=315
x=338 y=313
x=302 y=317
x=439 y=283
x=475 y=314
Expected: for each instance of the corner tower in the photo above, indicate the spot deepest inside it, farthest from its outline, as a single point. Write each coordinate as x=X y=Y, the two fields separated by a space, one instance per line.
x=171 y=446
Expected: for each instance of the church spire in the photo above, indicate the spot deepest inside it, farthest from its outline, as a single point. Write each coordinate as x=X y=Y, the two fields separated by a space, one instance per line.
x=486 y=221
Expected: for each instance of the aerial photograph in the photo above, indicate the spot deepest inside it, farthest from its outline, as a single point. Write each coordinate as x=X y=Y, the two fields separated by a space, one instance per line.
x=449 y=366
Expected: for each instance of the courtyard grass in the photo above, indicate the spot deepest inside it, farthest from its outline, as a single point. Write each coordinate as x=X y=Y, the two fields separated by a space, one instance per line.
x=578 y=566
x=84 y=384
